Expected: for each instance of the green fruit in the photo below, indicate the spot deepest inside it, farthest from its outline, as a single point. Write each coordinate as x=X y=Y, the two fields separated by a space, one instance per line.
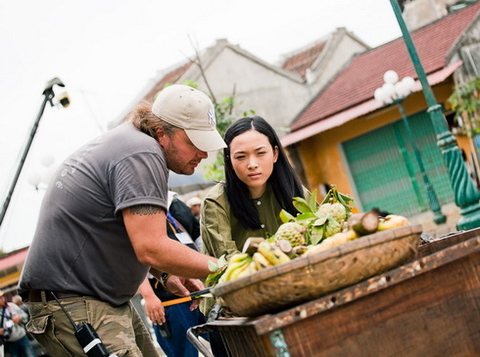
x=332 y=227
x=336 y=210
x=292 y=232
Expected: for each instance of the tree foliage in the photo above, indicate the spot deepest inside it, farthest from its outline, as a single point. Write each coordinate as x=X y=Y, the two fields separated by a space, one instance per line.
x=223 y=112
x=465 y=101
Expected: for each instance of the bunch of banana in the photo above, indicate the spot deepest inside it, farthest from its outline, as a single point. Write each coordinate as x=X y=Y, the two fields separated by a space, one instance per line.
x=238 y=264
x=272 y=253
x=244 y=264
x=260 y=261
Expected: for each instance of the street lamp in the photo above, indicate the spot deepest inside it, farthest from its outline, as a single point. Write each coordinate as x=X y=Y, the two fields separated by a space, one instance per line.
x=49 y=95
x=40 y=178
x=395 y=91
x=465 y=193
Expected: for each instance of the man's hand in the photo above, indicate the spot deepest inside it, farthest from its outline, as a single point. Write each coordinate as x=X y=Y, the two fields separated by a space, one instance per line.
x=183 y=287
x=155 y=310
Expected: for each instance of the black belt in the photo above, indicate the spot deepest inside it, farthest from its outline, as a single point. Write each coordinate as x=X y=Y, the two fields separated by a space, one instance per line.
x=36 y=295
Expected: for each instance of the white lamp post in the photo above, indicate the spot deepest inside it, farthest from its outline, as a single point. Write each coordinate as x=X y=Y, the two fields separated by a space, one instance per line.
x=40 y=178
x=394 y=91
x=49 y=96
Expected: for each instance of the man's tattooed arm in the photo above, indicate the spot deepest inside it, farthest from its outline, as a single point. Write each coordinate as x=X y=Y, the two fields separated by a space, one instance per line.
x=145 y=210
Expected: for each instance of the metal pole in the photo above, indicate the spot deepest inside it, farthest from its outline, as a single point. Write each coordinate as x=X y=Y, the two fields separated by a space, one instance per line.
x=465 y=193
x=438 y=216
x=49 y=95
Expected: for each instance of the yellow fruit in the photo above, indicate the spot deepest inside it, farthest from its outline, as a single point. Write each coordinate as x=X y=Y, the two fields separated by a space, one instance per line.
x=392 y=221
x=336 y=239
x=248 y=271
x=232 y=267
x=237 y=257
x=260 y=261
x=326 y=244
x=273 y=254
x=237 y=272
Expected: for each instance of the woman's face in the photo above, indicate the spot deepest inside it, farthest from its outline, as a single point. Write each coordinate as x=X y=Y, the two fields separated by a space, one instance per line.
x=252 y=158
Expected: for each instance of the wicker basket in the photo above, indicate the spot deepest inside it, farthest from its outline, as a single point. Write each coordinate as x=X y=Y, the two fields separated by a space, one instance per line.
x=306 y=278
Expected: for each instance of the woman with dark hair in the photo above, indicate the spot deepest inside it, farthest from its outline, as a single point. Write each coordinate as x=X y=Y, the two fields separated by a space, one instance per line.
x=259 y=183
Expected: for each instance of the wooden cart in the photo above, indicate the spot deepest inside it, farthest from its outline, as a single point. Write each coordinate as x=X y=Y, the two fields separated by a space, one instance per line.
x=428 y=307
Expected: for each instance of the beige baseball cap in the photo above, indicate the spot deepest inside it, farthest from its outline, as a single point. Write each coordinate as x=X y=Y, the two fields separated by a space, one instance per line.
x=194 y=201
x=190 y=109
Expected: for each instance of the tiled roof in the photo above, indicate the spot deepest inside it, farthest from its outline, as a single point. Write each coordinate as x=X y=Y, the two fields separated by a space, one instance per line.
x=171 y=77
x=303 y=60
x=12 y=259
x=359 y=80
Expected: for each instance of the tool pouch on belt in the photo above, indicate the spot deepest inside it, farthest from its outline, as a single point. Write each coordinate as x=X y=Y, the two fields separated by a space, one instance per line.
x=37 y=325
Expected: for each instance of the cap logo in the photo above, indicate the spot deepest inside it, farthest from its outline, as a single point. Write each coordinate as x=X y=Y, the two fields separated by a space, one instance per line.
x=211 y=117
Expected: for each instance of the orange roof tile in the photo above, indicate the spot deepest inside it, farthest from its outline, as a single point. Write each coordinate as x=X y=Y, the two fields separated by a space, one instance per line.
x=303 y=60
x=171 y=77
x=359 y=80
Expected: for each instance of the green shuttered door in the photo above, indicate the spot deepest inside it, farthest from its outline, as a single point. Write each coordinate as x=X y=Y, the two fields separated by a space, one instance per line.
x=386 y=174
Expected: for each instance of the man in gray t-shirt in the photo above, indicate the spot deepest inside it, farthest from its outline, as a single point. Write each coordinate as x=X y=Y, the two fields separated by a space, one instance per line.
x=102 y=226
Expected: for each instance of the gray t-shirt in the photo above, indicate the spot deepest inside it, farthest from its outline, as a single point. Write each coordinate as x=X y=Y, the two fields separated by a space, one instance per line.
x=81 y=244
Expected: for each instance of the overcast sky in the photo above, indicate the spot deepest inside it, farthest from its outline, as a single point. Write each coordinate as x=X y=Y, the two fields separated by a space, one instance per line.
x=107 y=51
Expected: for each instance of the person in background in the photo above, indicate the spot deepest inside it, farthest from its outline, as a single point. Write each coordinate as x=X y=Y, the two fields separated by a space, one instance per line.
x=259 y=183
x=103 y=226
x=39 y=351
x=17 y=300
x=195 y=203
x=13 y=330
x=171 y=323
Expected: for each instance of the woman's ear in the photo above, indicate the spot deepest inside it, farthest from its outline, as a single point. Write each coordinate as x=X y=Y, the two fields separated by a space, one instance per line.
x=275 y=154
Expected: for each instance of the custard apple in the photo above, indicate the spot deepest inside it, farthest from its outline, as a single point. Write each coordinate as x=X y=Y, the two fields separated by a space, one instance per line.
x=332 y=227
x=293 y=232
x=336 y=210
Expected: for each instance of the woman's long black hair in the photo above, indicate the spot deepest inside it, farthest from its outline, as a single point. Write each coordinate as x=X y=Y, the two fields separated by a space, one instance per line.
x=283 y=180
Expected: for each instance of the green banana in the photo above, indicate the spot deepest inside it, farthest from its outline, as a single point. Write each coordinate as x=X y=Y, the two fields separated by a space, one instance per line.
x=273 y=254
x=236 y=273
x=251 y=268
x=232 y=267
x=237 y=257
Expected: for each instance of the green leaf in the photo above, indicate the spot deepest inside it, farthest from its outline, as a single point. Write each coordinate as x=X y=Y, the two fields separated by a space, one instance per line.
x=217 y=270
x=320 y=221
x=212 y=266
x=313 y=201
x=212 y=279
x=329 y=194
x=301 y=205
x=316 y=235
x=222 y=261
x=308 y=216
x=286 y=216
x=346 y=201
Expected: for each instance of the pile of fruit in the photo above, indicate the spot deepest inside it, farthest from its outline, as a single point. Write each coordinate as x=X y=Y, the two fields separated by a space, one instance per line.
x=314 y=229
